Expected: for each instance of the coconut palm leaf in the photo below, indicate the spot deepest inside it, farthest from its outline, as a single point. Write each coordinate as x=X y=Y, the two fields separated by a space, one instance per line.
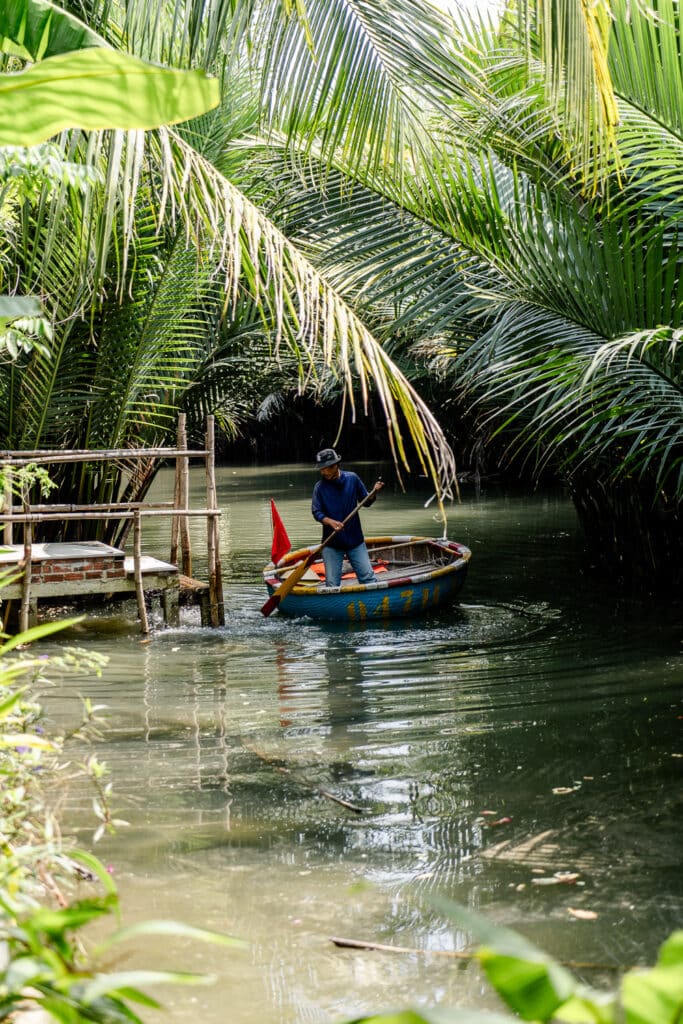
x=572 y=40
x=147 y=350
x=649 y=82
x=381 y=257
x=356 y=81
x=644 y=58
x=298 y=306
x=576 y=398
x=237 y=375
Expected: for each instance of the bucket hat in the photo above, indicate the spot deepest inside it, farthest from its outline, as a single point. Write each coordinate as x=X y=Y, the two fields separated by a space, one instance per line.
x=326 y=457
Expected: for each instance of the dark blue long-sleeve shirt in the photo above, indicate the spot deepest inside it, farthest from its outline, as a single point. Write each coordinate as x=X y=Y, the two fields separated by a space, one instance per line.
x=334 y=499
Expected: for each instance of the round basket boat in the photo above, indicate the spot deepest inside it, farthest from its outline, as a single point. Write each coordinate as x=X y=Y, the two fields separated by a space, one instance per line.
x=413 y=576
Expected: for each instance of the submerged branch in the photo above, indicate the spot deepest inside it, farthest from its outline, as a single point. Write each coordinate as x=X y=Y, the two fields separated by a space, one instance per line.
x=274 y=763
x=455 y=954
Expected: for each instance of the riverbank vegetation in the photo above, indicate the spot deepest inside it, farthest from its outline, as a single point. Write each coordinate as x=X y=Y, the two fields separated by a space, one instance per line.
x=51 y=891
x=382 y=198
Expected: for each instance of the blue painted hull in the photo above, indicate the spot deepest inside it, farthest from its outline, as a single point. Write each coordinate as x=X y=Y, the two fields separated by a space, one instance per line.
x=402 y=592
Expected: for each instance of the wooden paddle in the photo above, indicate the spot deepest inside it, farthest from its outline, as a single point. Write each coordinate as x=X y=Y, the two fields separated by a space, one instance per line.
x=297 y=572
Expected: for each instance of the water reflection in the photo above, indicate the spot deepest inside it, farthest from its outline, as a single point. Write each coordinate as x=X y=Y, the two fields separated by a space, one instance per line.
x=531 y=729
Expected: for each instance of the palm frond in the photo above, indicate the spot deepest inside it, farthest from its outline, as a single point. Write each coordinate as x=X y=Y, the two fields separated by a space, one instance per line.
x=299 y=306
x=575 y=399
x=357 y=81
x=389 y=261
x=644 y=58
x=573 y=40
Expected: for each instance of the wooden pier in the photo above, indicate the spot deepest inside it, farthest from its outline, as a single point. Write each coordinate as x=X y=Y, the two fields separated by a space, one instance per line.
x=75 y=571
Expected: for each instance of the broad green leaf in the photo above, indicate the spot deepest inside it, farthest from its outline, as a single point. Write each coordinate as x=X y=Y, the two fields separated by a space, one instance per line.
x=534 y=990
x=653 y=997
x=530 y=982
x=96 y=89
x=36 y=29
x=161 y=927
x=497 y=937
x=13 y=307
x=656 y=996
x=599 y=1009
x=671 y=953
x=110 y=984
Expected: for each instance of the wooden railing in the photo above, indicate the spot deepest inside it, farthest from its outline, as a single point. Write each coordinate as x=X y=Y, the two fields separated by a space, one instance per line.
x=28 y=515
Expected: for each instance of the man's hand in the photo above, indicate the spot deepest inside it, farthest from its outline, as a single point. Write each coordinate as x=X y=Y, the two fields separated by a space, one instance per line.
x=333 y=523
x=378 y=486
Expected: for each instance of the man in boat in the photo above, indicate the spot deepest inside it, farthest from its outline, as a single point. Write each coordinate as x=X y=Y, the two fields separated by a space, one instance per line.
x=335 y=496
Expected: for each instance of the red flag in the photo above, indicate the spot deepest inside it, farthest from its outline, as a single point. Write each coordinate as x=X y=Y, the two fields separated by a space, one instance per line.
x=281 y=542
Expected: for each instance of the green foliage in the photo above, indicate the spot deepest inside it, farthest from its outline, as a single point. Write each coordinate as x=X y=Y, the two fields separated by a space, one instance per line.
x=528 y=253
x=384 y=196
x=47 y=968
x=21 y=327
x=88 y=251
x=27 y=477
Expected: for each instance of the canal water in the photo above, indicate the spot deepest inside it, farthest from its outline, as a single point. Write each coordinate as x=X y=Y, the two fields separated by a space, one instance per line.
x=531 y=731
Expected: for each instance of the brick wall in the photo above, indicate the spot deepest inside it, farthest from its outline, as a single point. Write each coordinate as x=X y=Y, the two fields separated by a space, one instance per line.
x=57 y=570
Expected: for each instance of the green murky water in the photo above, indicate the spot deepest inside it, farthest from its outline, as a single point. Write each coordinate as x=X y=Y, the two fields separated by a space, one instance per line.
x=531 y=729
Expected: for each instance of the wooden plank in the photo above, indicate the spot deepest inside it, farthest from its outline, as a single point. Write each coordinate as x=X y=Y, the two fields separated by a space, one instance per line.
x=175 y=522
x=112 y=506
x=83 y=588
x=142 y=573
x=149 y=564
x=171 y=606
x=60 y=551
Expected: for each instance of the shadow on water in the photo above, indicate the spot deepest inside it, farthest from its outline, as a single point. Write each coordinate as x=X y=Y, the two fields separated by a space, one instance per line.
x=287 y=780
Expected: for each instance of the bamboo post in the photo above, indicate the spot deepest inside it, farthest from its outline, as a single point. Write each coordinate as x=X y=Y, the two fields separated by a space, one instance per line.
x=8 y=537
x=217 y=607
x=175 y=522
x=170 y=605
x=184 y=524
x=24 y=612
x=137 y=564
